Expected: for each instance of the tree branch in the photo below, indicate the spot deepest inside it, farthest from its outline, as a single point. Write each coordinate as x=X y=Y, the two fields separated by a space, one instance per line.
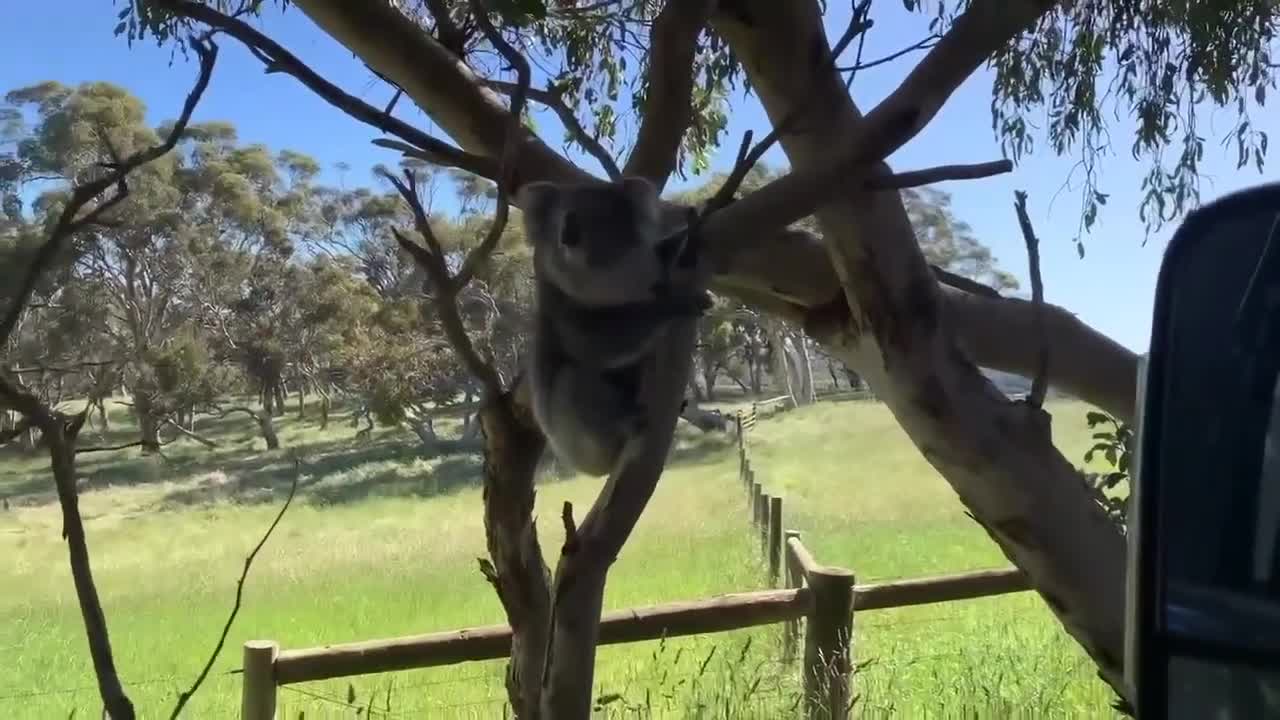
x=431 y=260
x=276 y=58
x=921 y=45
x=506 y=182
x=859 y=24
x=983 y=28
x=1002 y=333
x=186 y=695
x=668 y=106
x=446 y=89
x=555 y=102
x=1040 y=381
x=941 y=173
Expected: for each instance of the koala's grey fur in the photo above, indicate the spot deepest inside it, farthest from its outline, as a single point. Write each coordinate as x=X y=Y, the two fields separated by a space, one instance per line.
x=607 y=287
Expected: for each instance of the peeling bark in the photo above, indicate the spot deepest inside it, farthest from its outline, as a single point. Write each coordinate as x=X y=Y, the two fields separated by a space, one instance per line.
x=513 y=445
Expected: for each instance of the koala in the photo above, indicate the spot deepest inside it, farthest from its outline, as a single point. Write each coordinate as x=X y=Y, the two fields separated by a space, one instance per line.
x=608 y=283
x=602 y=244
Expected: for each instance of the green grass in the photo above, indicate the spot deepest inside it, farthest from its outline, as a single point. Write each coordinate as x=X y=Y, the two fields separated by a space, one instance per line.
x=382 y=542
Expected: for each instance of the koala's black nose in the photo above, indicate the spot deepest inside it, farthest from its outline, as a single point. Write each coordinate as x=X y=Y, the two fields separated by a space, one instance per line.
x=571 y=232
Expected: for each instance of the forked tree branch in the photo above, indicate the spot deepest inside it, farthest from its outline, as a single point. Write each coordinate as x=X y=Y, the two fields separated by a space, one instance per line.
x=1040 y=381
x=983 y=28
x=748 y=157
x=554 y=101
x=668 y=106
x=431 y=260
x=275 y=58
x=185 y=696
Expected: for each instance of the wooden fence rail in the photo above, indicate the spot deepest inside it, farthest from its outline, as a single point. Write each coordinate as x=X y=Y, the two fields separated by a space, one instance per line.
x=823 y=597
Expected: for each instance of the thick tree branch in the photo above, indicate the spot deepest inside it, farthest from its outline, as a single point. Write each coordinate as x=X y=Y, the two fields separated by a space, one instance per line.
x=997 y=455
x=1001 y=333
x=445 y=88
x=276 y=58
x=668 y=106
x=555 y=102
x=186 y=695
x=59 y=435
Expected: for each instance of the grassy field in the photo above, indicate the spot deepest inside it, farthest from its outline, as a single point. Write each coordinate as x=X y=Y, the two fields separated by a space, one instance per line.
x=382 y=542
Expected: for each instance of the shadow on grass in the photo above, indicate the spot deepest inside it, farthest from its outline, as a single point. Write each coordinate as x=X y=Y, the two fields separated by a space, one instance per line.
x=340 y=475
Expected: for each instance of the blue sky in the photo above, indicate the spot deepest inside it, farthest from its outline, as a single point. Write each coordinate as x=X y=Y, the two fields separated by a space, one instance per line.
x=1111 y=288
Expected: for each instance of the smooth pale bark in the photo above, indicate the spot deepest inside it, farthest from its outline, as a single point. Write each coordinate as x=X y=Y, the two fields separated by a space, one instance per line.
x=997 y=455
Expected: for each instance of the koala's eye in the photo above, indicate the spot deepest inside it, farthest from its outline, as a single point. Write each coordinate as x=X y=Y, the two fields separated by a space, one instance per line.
x=571 y=232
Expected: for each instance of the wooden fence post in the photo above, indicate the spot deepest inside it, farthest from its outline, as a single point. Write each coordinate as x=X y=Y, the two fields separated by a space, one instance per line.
x=775 y=540
x=826 y=644
x=795 y=579
x=756 y=493
x=766 y=501
x=258 y=689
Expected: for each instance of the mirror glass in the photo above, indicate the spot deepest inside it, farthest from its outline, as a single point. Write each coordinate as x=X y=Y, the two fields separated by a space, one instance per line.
x=1213 y=424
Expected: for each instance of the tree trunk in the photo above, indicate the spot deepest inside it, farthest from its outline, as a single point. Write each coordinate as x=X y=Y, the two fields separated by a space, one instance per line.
x=425 y=429
x=324 y=411
x=62 y=454
x=997 y=455
x=268 y=429
x=302 y=403
x=835 y=379
x=513 y=445
x=804 y=363
x=148 y=423
x=782 y=369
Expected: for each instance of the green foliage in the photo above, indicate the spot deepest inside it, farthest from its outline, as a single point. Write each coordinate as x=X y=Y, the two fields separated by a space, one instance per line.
x=1113 y=441
x=1156 y=62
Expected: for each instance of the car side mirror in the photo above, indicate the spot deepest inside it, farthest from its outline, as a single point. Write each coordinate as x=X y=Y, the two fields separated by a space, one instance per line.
x=1204 y=609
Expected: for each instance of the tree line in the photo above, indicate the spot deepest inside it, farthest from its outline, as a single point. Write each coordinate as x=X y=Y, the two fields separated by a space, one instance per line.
x=231 y=270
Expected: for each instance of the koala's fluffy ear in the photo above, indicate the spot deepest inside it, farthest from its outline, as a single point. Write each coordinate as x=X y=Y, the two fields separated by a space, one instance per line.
x=642 y=192
x=537 y=201
x=535 y=197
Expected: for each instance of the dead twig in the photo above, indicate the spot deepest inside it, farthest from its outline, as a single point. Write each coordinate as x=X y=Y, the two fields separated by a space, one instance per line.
x=941 y=173
x=924 y=44
x=186 y=695
x=1040 y=383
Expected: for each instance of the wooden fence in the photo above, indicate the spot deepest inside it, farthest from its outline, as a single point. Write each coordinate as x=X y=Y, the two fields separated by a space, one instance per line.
x=823 y=597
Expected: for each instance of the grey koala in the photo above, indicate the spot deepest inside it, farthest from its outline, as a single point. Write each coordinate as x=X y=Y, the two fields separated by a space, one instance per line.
x=608 y=282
